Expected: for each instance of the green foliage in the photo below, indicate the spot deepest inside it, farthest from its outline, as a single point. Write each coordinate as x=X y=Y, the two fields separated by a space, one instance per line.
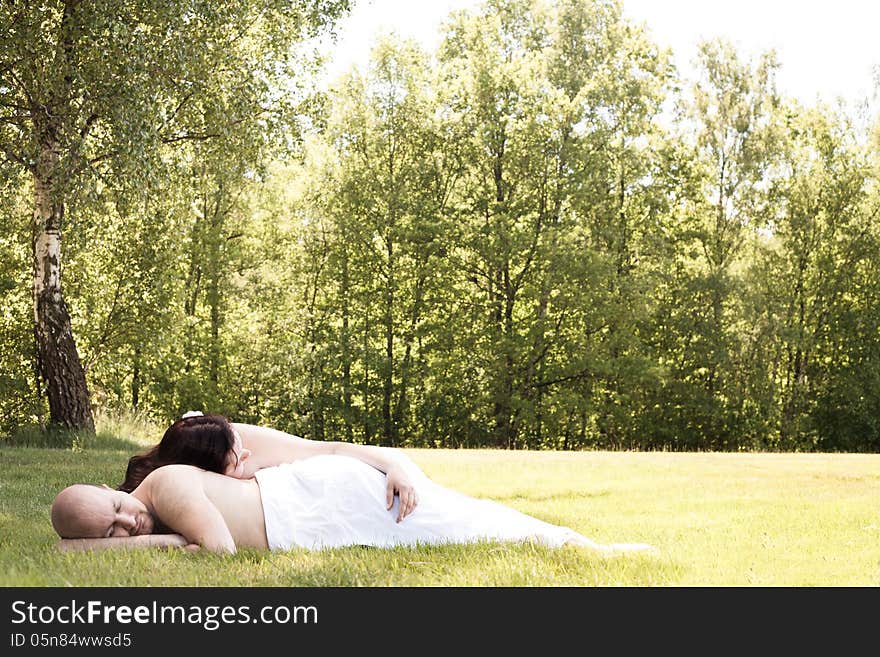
x=19 y=400
x=97 y=100
x=538 y=236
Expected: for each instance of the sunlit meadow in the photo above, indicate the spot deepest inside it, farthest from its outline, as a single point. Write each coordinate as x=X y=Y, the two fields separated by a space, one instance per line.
x=716 y=519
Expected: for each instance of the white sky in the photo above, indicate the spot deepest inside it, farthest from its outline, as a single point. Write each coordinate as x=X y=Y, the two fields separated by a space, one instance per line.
x=826 y=49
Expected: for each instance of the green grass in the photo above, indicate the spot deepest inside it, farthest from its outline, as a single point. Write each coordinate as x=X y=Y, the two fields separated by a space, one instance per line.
x=716 y=519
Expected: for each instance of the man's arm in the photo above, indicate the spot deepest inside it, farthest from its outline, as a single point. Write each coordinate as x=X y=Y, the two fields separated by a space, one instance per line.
x=123 y=542
x=271 y=447
x=177 y=495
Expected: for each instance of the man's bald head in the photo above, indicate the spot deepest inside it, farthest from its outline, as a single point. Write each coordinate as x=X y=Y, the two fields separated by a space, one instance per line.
x=87 y=511
x=82 y=511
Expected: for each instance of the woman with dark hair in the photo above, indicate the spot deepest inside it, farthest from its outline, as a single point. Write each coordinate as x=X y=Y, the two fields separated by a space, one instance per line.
x=195 y=439
x=213 y=443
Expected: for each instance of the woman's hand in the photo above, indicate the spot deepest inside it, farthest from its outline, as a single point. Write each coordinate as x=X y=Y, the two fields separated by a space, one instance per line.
x=400 y=484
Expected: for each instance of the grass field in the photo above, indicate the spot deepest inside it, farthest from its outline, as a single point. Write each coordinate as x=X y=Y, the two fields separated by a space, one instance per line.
x=716 y=520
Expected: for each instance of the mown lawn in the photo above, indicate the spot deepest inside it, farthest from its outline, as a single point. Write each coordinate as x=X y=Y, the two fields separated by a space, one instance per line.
x=716 y=520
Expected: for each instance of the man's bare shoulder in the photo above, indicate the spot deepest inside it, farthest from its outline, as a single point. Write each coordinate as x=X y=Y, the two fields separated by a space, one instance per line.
x=174 y=472
x=171 y=486
x=175 y=478
x=179 y=477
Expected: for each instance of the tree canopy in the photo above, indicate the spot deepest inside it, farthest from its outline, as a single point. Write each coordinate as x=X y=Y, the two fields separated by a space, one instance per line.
x=538 y=235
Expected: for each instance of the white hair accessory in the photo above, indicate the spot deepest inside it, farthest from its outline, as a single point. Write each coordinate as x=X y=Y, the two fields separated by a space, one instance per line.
x=191 y=414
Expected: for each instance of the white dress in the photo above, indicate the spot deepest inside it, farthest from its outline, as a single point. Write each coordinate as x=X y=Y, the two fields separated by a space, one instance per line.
x=333 y=501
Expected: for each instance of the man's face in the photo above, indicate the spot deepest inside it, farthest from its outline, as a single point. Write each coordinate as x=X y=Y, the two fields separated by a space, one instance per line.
x=109 y=512
x=130 y=515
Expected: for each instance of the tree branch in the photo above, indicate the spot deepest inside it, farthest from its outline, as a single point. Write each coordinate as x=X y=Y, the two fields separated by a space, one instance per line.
x=87 y=127
x=583 y=374
x=17 y=158
x=13 y=118
x=24 y=89
x=189 y=137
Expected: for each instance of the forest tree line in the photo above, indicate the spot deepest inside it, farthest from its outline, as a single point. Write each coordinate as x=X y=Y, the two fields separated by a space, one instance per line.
x=539 y=235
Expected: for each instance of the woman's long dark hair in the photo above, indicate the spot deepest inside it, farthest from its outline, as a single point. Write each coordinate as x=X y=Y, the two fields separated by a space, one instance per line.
x=200 y=440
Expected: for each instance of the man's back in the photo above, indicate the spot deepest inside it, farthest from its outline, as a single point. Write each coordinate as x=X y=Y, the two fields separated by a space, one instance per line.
x=218 y=512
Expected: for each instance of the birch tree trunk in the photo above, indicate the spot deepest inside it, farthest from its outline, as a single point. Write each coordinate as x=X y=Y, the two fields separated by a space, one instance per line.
x=59 y=362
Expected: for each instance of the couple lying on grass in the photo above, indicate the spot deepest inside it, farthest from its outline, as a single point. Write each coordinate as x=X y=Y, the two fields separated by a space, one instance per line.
x=220 y=486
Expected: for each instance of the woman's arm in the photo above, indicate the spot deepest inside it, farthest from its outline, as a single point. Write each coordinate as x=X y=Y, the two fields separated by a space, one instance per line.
x=396 y=479
x=270 y=447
